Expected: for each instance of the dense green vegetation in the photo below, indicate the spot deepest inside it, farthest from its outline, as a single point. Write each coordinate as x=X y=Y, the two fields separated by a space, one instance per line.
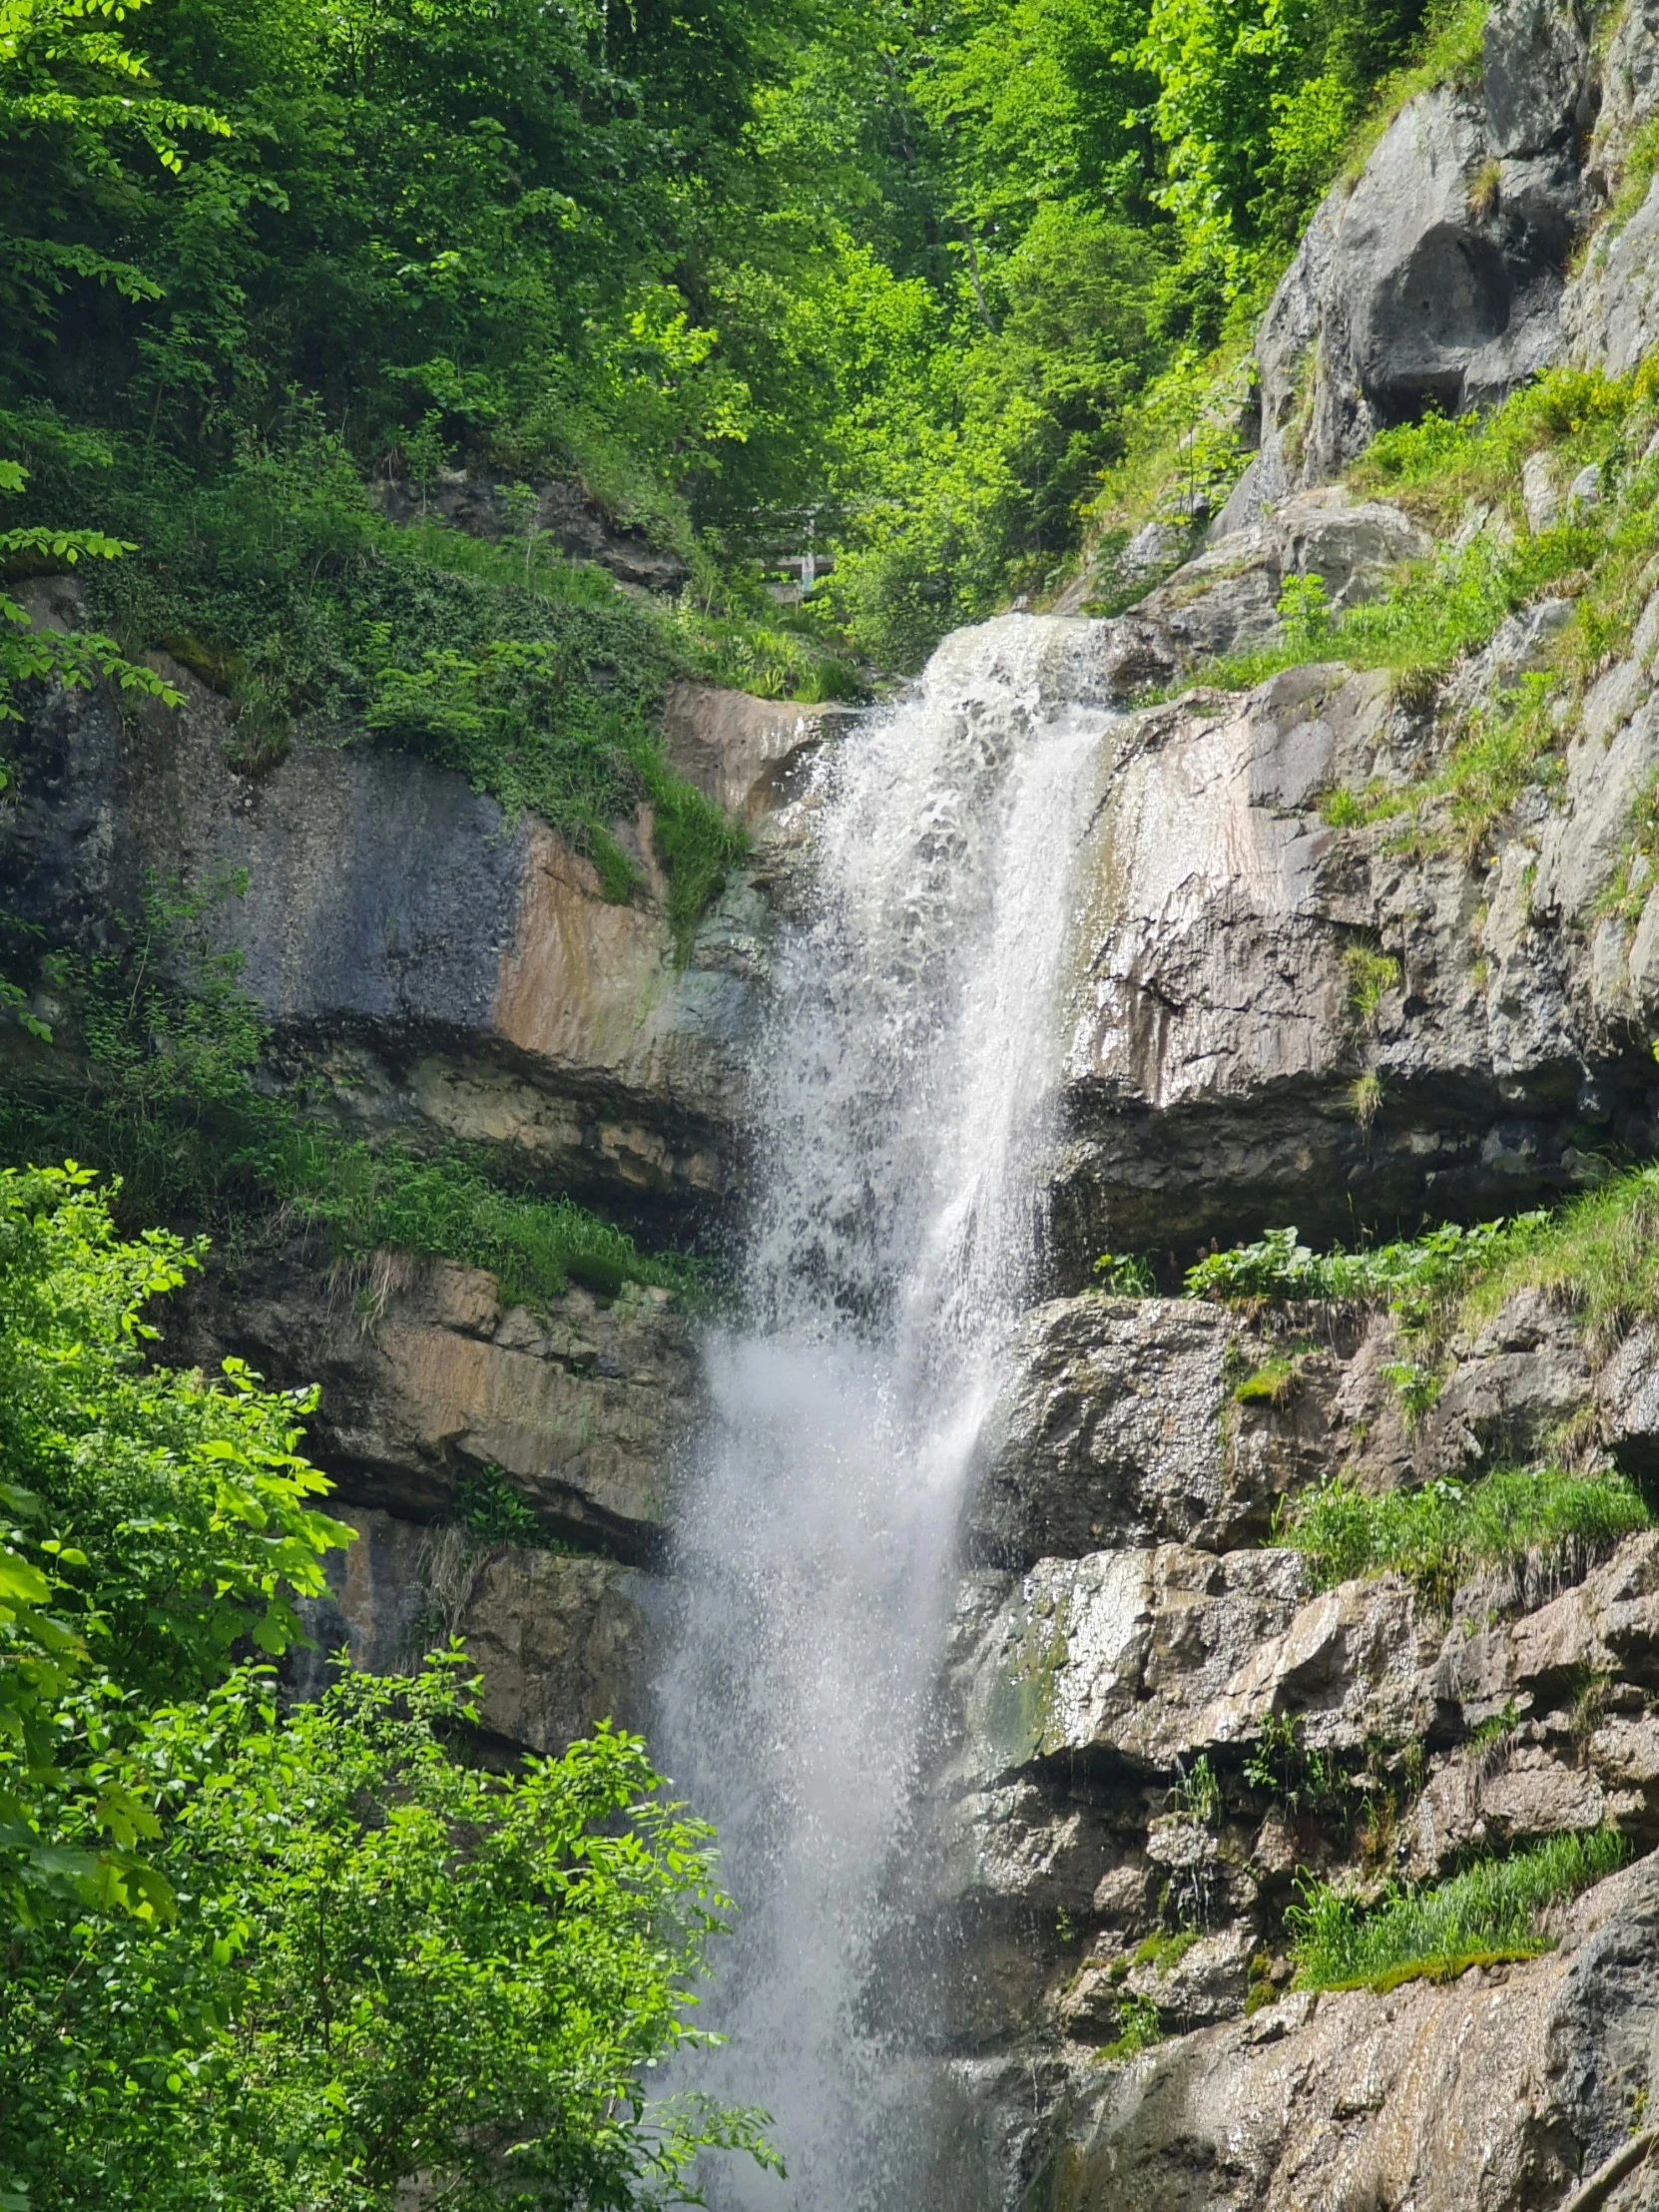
x=1438 y=1535
x=1487 y=1913
x=1596 y=1254
x=737 y=269
x=261 y=1957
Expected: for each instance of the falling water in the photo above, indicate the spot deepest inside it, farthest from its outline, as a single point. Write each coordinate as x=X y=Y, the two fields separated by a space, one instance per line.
x=900 y=1112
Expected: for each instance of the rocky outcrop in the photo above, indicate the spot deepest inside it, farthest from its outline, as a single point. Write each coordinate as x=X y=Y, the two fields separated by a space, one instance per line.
x=1226 y=599
x=749 y=756
x=1501 y=2092
x=432 y=966
x=1436 y=276
x=1139 y=1634
x=427 y=1376
x=1217 y=1032
x=468 y=500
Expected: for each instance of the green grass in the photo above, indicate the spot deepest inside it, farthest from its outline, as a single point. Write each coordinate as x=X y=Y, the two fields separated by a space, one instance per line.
x=1599 y=1256
x=1641 y=166
x=1486 y=1913
x=1448 y=607
x=1438 y=1535
x=367 y=1200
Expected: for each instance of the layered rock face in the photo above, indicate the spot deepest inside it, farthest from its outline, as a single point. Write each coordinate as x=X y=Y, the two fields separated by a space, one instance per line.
x=433 y=967
x=1135 y=1624
x=1217 y=1031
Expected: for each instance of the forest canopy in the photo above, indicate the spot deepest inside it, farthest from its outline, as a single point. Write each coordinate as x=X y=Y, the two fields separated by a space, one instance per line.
x=739 y=270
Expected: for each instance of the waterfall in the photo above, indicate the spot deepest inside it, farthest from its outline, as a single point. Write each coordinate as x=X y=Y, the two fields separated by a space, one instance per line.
x=901 y=1106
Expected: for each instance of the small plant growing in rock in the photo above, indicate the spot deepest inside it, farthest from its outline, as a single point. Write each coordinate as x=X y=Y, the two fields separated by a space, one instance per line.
x=1486 y=190
x=493 y=1511
x=1306 y=613
x=1282 y=1768
x=1371 y=975
x=1139 y=2028
x=1484 y=1914
x=1195 y=1798
x=1416 y=1387
x=1364 y=1098
x=1123 y=1275
x=1274 y=1383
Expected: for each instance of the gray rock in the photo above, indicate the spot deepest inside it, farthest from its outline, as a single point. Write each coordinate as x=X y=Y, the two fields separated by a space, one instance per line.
x=1499 y=2091
x=1627 y=1395
x=1353 y=546
x=561 y=1642
x=1226 y=599
x=1539 y=496
x=1146 y=1656
x=440 y=970
x=425 y=1376
x=1403 y=290
x=1220 y=602
x=1533 y=63
x=1113 y=1430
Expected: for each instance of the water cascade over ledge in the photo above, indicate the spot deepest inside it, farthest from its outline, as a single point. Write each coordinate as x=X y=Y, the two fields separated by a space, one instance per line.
x=901 y=1109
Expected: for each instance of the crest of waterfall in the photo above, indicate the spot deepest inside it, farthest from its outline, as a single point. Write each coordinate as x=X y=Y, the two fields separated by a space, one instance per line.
x=901 y=1109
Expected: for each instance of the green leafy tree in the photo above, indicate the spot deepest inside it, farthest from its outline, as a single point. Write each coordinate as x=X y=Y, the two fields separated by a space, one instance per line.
x=385 y=1967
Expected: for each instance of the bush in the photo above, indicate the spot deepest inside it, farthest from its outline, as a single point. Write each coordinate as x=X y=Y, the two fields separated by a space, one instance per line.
x=1415 y=1275
x=387 y=1968
x=1489 y=1911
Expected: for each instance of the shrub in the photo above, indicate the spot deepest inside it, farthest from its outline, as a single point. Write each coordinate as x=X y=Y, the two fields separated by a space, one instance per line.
x=1139 y=2028
x=1413 y=1275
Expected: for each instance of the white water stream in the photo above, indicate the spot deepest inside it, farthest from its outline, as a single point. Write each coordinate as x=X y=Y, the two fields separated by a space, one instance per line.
x=901 y=1109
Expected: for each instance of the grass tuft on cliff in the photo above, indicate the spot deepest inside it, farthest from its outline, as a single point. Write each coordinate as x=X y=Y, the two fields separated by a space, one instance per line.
x=1597 y=1257
x=1486 y=1913
x=1438 y=1535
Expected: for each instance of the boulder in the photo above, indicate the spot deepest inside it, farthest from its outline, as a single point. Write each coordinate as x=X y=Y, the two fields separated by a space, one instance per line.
x=1226 y=599
x=1134 y=1659
x=748 y=755
x=1113 y=1427
x=1436 y=276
